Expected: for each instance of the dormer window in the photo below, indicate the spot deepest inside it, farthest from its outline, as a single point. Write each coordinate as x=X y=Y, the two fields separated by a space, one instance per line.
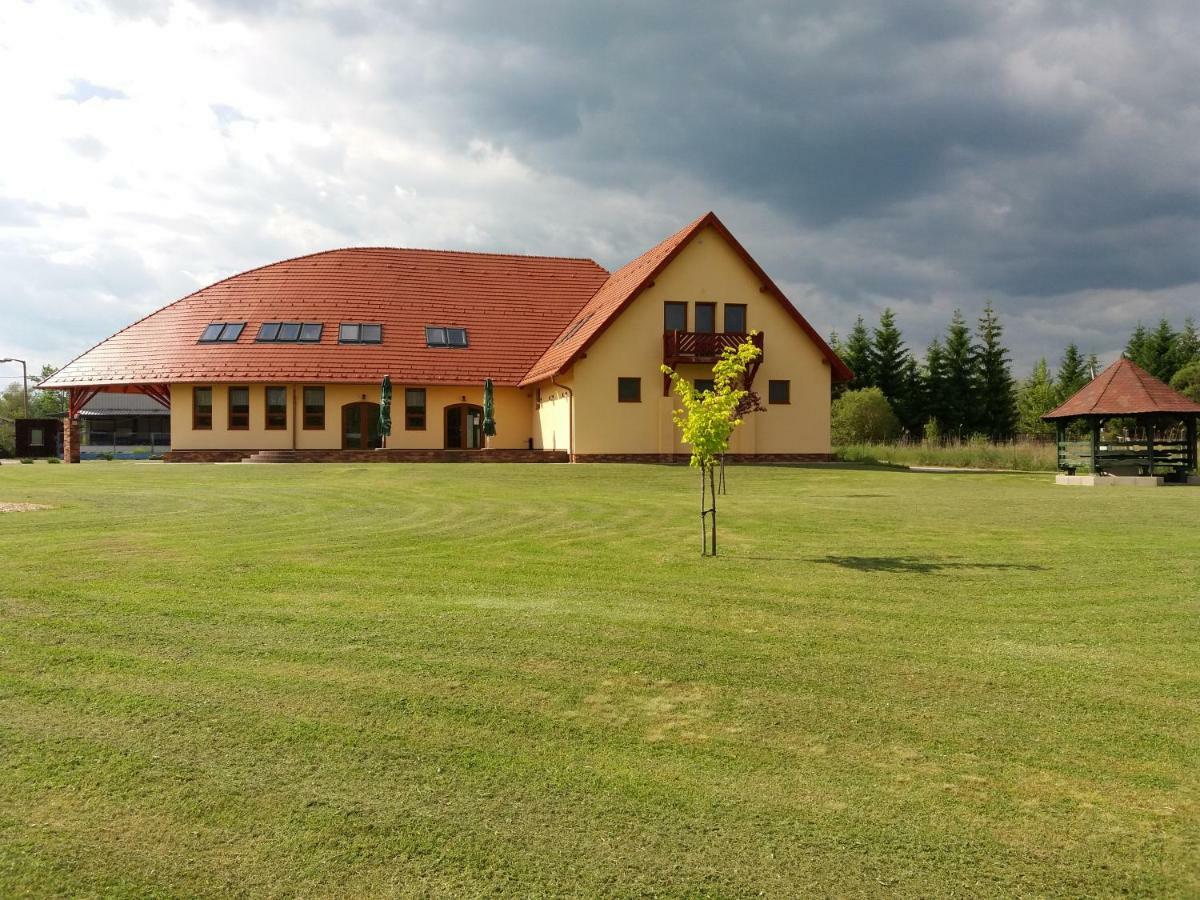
x=359 y=333
x=437 y=336
x=222 y=332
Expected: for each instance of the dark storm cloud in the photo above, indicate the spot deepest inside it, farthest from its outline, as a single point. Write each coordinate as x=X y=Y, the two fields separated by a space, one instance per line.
x=1018 y=151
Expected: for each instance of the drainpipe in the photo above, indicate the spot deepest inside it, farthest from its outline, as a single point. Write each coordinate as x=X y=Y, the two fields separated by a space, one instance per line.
x=570 y=418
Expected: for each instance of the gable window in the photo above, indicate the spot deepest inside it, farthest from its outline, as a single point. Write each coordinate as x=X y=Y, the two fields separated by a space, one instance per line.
x=779 y=392
x=290 y=332
x=360 y=333
x=201 y=408
x=629 y=390
x=705 y=384
x=706 y=318
x=674 y=316
x=224 y=332
x=239 y=408
x=276 y=408
x=314 y=408
x=414 y=409
x=735 y=318
x=437 y=336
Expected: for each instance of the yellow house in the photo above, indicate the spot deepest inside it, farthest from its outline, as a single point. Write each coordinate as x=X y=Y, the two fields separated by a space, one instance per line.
x=285 y=362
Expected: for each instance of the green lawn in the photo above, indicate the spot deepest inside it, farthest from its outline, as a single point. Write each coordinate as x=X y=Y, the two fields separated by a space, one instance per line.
x=461 y=680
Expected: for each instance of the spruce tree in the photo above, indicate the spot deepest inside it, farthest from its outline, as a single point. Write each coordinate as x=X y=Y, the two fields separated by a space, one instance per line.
x=960 y=395
x=1037 y=395
x=1157 y=351
x=933 y=384
x=1072 y=373
x=1135 y=349
x=856 y=353
x=993 y=379
x=894 y=369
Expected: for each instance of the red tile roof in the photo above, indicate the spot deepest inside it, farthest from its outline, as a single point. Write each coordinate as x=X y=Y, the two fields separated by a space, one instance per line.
x=527 y=318
x=511 y=306
x=1124 y=389
x=624 y=286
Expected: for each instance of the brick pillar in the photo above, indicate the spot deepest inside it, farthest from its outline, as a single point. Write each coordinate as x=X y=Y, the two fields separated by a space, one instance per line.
x=71 y=438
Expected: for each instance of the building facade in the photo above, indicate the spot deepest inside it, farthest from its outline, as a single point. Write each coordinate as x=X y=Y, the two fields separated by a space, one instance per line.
x=286 y=361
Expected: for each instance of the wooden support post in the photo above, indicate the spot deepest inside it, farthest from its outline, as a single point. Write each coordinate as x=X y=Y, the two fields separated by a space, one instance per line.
x=1149 y=426
x=1095 y=445
x=1060 y=441
x=1190 y=425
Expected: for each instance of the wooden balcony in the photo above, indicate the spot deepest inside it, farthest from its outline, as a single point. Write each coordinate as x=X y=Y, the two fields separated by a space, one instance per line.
x=680 y=347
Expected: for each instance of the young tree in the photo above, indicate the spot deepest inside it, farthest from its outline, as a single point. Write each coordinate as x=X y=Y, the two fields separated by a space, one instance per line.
x=1037 y=395
x=997 y=407
x=707 y=420
x=960 y=398
x=863 y=416
x=1072 y=373
x=856 y=353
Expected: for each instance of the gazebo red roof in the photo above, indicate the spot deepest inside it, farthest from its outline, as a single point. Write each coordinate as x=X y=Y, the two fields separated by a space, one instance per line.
x=1124 y=389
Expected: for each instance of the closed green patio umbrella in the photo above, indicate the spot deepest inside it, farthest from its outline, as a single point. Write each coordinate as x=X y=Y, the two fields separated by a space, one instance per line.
x=489 y=409
x=385 y=408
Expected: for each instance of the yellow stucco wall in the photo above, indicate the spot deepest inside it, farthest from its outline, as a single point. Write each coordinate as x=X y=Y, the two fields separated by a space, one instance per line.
x=707 y=270
x=514 y=414
x=552 y=415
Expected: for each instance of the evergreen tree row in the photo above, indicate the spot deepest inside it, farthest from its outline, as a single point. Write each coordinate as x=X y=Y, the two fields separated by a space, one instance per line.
x=963 y=386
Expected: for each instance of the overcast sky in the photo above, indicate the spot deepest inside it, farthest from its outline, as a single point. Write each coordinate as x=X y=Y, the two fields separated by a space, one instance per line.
x=923 y=155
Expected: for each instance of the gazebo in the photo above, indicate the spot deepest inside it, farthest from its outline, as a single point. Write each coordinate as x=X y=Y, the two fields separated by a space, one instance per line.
x=1150 y=435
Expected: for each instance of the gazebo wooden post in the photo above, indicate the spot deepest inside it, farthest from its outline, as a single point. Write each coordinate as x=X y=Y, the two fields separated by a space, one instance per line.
x=1060 y=440
x=1149 y=426
x=1190 y=425
x=1095 y=423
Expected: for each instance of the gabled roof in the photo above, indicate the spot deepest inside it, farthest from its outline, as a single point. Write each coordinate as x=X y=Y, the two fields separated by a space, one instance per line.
x=513 y=307
x=624 y=286
x=1124 y=389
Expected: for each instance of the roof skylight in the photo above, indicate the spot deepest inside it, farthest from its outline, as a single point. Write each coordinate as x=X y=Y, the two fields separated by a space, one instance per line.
x=222 y=332
x=289 y=332
x=360 y=333
x=437 y=336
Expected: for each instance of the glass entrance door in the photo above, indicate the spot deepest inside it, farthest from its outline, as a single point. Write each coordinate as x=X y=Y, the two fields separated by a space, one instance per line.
x=464 y=427
x=360 y=426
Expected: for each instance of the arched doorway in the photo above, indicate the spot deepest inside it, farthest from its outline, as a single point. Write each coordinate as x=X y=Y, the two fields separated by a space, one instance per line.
x=360 y=426
x=464 y=427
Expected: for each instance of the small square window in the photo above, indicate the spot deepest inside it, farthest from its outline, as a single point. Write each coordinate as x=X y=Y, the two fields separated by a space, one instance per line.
x=268 y=331
x=310 y=332
x=289 y=331
x=212 y=332
x=435 y=337
x=456 y=337
x=36 y=437
x=232 y=331
x=371 y=334
x=629 y=390
x=348 y=333
x=779 y=392
x=704 y=384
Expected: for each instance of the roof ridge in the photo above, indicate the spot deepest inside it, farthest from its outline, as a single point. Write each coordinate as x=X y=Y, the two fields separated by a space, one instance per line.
x=442 y=250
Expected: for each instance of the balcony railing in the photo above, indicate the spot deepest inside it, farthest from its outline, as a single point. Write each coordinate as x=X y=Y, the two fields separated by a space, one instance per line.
x=702 y=347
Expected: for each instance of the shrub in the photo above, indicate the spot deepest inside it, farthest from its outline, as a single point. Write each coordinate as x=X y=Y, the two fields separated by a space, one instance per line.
x=25 y=461
x=54 y=460
x=1187 y=381
x=863 y=416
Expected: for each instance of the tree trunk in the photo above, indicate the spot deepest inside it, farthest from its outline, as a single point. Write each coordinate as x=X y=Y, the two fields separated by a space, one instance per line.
x=721 y=483
x=703 y=517
x=713 y=510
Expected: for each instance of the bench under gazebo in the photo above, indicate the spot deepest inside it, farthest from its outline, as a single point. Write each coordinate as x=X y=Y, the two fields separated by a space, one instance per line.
x=1126 y=427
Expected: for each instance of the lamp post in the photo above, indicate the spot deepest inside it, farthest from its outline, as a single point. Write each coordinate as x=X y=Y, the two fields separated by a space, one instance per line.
x=24 y=381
